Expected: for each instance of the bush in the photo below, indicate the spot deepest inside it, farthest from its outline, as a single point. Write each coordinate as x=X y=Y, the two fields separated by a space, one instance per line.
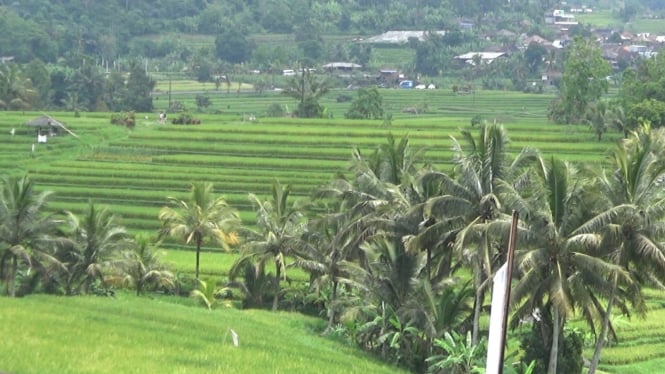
x=344 y=98
x=124 y=119
x=185 y=119
x=275 y=110
x=368 y=105
x=537 y=349
x=477 y=120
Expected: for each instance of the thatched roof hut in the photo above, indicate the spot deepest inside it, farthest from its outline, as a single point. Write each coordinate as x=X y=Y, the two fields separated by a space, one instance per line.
x=45 y=122
x=50 y=124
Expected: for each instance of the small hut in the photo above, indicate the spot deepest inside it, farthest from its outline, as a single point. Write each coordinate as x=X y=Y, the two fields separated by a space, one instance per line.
x=47 y=126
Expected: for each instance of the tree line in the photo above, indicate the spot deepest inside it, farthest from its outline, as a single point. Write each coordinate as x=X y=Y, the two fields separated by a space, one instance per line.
x=400 y=255
x=79 y=87
x=49 y=30
x=112 y=34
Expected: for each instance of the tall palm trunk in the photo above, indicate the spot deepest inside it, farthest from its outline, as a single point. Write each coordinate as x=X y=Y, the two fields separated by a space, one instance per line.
x=139 y=280
x=198 y=255
x=331 y=310
x=554 y=350
x=603 y=330
x=12 y=275
x=477 y=303
x=482 y=269
x=278 y=275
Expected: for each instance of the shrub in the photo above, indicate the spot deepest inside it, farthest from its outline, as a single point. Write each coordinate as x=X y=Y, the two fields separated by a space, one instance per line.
x=536 y=348
x=477 y=120
x=185 y=119
x=275 y=110
x=125 y=119
x=344 y=98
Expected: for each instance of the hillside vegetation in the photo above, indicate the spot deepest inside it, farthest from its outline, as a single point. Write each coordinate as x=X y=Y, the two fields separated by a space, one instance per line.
x=133 y=170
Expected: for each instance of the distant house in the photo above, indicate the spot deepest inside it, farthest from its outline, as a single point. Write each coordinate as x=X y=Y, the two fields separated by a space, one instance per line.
x=641 y=50
x=626 y=36
x=341 y=66
x=400 y=37
x=503 y=33
x=559 y=17
x=484 y=57
x=389 y=77
x=537 y=39
x=465 y=25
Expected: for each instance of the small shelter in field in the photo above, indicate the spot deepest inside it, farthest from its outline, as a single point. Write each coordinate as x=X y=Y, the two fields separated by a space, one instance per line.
x=48 y=126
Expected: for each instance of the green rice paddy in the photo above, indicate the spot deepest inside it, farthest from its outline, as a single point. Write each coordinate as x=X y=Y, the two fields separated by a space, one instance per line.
x=133 y=171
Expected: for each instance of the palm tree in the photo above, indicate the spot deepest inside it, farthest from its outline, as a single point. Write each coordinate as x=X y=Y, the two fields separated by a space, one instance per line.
x=95 y=239
x=392 y=162
x=391 y=281
x=201 y=216
x=377 y=200
x=16 y=92
x=470 y=198
x=208 y=293
x=598 y=116
x=328 y=243
x=280 y=227
x=618 y=119
x=140 y=265
x=632 y=224
x=307 y=88
x=558 y=275
x=24 y=227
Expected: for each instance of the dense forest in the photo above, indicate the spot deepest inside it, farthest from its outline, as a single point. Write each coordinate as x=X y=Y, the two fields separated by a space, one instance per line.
x=49 y=30
x=107 y=56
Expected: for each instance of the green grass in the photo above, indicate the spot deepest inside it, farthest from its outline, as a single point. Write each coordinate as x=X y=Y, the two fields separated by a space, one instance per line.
x=126 y=334
x=654 y=26
x=192 y=85
x=599 y=19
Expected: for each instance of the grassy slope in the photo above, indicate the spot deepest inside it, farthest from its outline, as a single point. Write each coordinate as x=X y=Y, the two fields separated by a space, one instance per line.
x=45 y=334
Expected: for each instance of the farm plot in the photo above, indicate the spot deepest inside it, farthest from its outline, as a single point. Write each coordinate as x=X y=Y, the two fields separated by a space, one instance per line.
x=400 y=103
x=641 y=347
x=134 y=171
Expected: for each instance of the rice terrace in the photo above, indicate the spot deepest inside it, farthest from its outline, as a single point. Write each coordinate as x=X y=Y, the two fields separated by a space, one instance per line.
x=307 y=186
x=133 y=171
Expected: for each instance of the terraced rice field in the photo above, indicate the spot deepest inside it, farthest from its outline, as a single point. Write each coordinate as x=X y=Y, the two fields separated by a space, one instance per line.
x=134 y=171
x=641 y=347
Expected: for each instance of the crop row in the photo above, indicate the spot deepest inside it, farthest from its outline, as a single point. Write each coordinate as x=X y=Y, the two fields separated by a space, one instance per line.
x=336 y=144
x=438 y=154
x=339 y=134
x=622 y=355
x=69 y=186
x=160 y=147
x=251 y=162
x=148 y=171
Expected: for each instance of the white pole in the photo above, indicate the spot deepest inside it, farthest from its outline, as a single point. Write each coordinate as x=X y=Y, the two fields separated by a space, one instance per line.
x=500 y=304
